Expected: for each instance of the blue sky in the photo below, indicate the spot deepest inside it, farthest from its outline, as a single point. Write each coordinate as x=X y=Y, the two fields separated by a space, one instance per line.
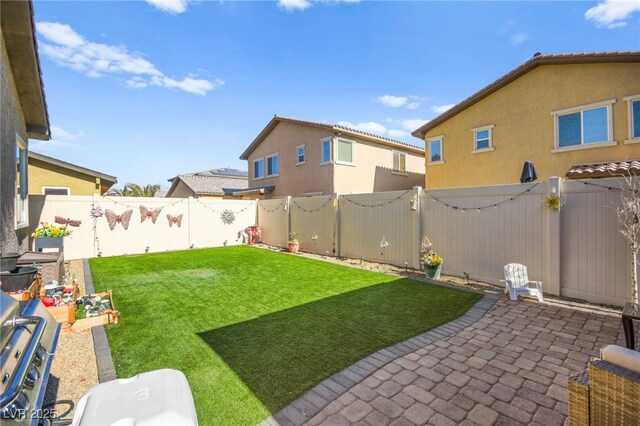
x=145 y=90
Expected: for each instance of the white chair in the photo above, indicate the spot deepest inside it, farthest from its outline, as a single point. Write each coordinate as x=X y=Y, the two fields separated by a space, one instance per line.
x=517 y=282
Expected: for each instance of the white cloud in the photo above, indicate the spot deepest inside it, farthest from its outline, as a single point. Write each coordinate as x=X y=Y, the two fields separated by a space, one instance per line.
x=170 y=6
x=413 y=105
x=439 y=109
x=290 y=5
x=612 y=13
x=369 y=127
x=413 y=123
x=392 y=101
x=60 y=139
x=519 y=38
x=68 y=48
x=397 y=133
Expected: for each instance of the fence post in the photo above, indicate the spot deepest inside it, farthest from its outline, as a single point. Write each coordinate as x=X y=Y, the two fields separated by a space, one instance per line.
x=336 y=225
x=287 y=209
x=552 y=243
x=416 y=227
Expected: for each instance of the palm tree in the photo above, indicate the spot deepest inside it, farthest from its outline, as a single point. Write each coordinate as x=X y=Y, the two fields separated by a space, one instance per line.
x=135 y=190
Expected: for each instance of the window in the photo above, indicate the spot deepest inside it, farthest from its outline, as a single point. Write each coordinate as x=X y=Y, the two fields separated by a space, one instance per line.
x=482 y=138
x=258 y=168
x=326 y=151
x=300 y=154
x=583 y=126
x=345 y=151
x=272 y=165
x=22 y=198
x=52 y=190
x=634 y=118
x=399 y=162
x=435 y=150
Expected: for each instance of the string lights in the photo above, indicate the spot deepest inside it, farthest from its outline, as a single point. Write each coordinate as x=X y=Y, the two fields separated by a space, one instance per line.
x=129 y=206
x=376 y=205
x=293 y=201
x=272 y=210
x=494 y=205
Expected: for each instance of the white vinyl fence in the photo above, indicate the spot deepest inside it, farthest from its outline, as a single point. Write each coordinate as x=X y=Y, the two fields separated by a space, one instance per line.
x=577 y=252
x=195 y=223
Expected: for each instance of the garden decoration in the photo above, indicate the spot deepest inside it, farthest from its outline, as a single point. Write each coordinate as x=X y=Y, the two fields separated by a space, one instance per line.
x=294 y=243
x=96 y=211
x=71 y=222
x=383 y=245
x=431 y=262
x=149 y=213
x=113 y=218
x=554 y=202
x=227 y=217
x=314 y=238
x=174 y=220
x=50 y=236
x=253 y=234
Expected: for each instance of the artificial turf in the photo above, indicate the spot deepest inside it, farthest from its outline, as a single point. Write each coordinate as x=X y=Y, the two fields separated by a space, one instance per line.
x=253 y=329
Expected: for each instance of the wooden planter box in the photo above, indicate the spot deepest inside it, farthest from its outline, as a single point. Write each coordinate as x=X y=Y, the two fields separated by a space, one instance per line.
x=31 y=293
x=108 y=318
x=48 y=244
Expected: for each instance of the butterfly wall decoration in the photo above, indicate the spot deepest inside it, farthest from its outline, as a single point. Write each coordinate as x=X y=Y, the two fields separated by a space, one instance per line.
x=177 y=220
x=149 y=213
x=113 y=218
x=67 y=221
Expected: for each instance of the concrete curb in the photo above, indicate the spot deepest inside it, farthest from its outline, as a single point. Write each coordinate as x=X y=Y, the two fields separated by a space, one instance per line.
x=106 y=369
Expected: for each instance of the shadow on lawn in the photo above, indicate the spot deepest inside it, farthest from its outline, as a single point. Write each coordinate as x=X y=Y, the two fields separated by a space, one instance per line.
x=280 y=355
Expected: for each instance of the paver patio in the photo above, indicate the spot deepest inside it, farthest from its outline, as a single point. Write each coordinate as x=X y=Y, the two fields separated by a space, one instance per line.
x=504 y=362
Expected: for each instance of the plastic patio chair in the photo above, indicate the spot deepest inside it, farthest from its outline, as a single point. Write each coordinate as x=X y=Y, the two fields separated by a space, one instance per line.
x=517 y=282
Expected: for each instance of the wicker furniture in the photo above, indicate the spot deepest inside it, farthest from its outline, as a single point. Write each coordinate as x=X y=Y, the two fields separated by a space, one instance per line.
x=606 y=394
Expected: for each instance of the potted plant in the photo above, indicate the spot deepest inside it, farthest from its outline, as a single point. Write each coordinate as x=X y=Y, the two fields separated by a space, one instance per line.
x=430 y=260
x=50 y=236
x=294 y=243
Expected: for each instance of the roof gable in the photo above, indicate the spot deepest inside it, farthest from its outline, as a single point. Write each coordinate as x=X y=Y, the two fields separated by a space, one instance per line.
x=336 y=128
x=537 y=60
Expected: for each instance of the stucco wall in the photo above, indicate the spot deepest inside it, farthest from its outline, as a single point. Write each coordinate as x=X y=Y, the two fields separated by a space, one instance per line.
x=11 y=123
x=524 y=126
x=373 y=170
x=294 y=179
x=43 y=174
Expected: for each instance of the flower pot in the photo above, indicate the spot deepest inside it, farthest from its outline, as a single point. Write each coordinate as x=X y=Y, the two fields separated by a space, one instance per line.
x=433 y=271
x=55 y=244
x=294 y=247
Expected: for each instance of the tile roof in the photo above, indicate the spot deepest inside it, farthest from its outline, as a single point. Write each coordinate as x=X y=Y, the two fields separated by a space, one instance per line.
x=254 y=190
x=330 y=127
x=537 y=60
x=611 y=169
x=212 y=182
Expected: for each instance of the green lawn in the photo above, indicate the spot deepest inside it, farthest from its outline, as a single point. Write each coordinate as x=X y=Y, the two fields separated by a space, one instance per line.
x=253 y=329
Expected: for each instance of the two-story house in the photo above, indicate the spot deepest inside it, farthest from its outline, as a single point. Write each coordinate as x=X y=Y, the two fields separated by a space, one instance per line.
x=573 y=115
x=305 y=158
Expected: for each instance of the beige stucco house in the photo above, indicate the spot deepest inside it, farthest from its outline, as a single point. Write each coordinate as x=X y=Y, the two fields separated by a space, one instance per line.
x=24 y=116
x=572 y=115
x=305 y=158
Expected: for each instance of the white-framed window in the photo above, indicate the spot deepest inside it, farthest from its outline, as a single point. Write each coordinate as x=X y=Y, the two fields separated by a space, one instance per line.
x=273 y=165
x=258 y=168
x=483 y=138
x=345 y=151
x=56 y=190
x=22 y=185
x=399 y=162
x=435 y=150
x=300 y=154
x=633 y=105
x=325 y=153
x=584 y=126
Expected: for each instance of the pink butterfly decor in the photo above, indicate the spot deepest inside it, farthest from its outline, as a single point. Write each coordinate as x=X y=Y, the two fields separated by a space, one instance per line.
x=67 y=221
x=174 y=219
x=149 y=213
x=114 y=218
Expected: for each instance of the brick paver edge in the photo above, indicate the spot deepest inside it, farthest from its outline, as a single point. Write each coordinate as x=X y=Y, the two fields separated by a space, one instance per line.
x=351 y=376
